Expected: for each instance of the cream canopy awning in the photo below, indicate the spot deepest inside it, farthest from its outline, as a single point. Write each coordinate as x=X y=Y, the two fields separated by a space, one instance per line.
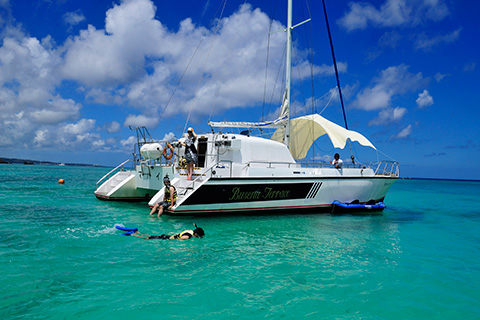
x=305 y=130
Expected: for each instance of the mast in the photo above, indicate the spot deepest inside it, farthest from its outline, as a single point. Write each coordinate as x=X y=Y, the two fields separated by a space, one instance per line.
x=288 y=73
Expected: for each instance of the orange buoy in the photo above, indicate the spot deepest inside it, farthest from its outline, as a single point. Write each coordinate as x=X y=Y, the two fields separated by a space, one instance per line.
x=61 y=181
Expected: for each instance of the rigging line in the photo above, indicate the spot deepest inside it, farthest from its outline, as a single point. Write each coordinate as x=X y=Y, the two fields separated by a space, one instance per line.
x=335 y=64
x=266 y=72
x=185 y=71
x=181 y=77
x=267 y=59
x=386 y=155
x=312 y=127
x=338 y=78
x=332 y=92
x=311 y=49
x=298 y=71
x=332 y=95
x=280 y=68
x=204 y=67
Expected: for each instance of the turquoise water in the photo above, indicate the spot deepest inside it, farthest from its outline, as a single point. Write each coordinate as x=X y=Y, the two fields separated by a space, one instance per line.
x=61 y=257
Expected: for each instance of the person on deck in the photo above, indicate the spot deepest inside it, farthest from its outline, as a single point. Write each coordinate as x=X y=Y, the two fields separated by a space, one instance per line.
x=169 y=198
x=191 y=154
x=337 y=162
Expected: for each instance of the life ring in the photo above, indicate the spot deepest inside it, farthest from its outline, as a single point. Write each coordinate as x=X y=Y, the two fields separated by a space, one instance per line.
x=169 y=156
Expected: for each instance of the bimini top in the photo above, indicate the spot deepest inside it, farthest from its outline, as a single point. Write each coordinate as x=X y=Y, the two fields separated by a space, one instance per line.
x=305 y=130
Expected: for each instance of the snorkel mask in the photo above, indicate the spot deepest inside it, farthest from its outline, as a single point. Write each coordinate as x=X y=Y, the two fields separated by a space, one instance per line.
x=199 y=231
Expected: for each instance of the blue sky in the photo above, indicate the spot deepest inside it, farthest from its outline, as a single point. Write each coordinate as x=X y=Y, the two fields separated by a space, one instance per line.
x=75 y=74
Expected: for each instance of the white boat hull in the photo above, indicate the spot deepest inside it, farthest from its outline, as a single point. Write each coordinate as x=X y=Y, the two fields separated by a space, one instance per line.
x=245 y=175
x=260 y=195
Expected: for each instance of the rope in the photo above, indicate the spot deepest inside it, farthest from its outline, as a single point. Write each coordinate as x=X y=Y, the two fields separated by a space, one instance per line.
x=333 y=93
x=204 y=67
x=280 y=68
x=183 y=74
x=267 y=59
x=338 y=78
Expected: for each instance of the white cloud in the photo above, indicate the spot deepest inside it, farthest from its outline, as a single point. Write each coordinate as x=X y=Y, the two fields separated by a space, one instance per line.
x=439 y=76
x=228 y=69
x=304 y=70
x=392 y=81
x=424 y=43
x=69 y=136
x=424 y=99
x=117 y=54
x=387 y=116
x=404 y=133
x=129 y=142
x=469 y=67
x=81 y=127
x=134 y=61
x=57 y=110
x=73 y=18
x=169 y=137
x=140 y=121
x=393 y=13
x=112 y=127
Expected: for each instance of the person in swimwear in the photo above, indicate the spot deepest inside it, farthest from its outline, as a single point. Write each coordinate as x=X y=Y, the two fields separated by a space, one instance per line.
x=169 y=198
x=184 y=235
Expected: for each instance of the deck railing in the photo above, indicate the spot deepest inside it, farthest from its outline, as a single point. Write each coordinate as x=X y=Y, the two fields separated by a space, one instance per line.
x=386 y=168
x=271 y=164
x=111 y=171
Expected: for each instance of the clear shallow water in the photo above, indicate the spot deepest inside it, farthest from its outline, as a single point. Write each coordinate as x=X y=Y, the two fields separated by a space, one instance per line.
x=62 y=258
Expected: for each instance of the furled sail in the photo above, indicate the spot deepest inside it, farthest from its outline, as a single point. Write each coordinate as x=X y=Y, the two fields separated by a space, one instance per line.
x=277 y=123
x=242 y=124
x=305 y=130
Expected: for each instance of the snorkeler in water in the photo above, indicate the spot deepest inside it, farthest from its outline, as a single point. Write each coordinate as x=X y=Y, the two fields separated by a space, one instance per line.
x=184 y=235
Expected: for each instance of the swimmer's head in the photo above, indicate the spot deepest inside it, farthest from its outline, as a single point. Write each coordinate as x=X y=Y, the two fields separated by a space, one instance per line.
x=199 y=232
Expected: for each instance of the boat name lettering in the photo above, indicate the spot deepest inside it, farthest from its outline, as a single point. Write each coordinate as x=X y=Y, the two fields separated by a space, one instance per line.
x=276 y=194
x=268 y=193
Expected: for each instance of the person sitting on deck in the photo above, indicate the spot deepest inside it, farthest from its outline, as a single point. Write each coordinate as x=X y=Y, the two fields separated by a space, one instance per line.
x=337 y=162
x=169 y=198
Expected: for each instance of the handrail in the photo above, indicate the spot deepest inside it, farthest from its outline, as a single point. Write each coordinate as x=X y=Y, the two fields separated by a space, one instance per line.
x=211 y=172
x=275 y=162
x=386 y=168
x=108 y=174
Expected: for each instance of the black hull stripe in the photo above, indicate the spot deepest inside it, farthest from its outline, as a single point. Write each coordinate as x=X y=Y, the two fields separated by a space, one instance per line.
x=238 y=193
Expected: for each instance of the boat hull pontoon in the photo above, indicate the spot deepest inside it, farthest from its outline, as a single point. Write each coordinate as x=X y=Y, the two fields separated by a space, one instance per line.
x=231 y=178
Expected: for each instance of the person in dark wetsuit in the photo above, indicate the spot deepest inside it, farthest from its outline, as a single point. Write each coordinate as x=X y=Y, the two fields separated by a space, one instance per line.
x=184 y=235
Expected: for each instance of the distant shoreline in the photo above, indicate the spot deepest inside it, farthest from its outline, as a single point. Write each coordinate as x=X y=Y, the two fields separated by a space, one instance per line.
x=39 y=162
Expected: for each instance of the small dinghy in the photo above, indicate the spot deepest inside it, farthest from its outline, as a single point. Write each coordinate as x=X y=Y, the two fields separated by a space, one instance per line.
x=339 y=207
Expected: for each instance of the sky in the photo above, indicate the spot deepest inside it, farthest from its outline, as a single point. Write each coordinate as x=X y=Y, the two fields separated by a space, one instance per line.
x=75 y=75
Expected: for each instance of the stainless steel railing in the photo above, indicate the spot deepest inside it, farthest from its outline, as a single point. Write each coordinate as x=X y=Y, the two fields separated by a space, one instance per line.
x=111 y=171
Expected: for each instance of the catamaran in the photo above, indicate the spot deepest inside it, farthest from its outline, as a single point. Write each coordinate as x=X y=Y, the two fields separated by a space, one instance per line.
x=246 y=174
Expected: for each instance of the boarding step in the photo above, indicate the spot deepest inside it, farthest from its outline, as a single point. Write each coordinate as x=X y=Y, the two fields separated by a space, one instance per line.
x=185 y=188
x=108 y=186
